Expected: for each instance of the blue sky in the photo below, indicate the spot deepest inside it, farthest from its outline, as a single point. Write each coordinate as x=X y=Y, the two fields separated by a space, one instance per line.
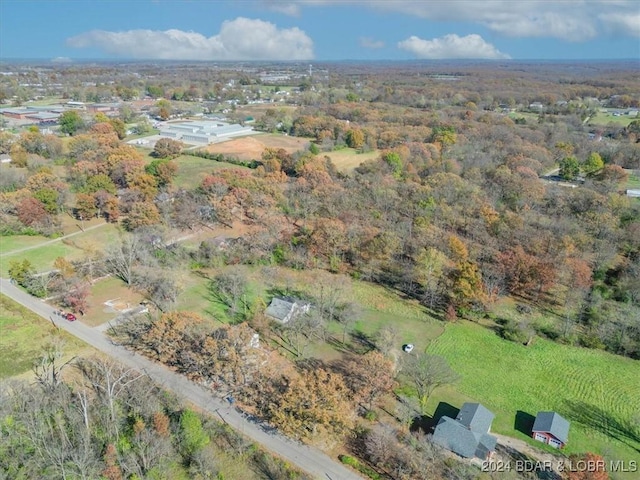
x=319 y=29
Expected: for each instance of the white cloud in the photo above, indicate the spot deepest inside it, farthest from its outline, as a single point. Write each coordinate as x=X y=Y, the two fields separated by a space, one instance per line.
x=572 y=20
x=239 y=39
x=368 y=42
x=452 y=47
x=288 y=8
x=621 y=23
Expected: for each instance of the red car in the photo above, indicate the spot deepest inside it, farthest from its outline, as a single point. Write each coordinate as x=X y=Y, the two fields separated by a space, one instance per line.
x=71 y=317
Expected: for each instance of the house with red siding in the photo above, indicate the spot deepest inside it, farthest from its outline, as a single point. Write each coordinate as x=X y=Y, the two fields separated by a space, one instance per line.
x=551 y=428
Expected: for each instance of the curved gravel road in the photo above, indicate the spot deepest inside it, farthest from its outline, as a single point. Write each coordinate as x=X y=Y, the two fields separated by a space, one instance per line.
x=311 y=460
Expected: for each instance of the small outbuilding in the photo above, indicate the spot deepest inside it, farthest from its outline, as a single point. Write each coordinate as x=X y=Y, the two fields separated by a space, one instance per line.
x=285 y=309
x=551 y=428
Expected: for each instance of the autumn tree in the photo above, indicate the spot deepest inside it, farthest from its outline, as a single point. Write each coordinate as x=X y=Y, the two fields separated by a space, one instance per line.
x=588 y=466
x=312 y=403
x=354 y=138
x=167 y=148
x=85 y=208
x=164 y=171
x=31 y=211
x=141 y=214
x=371 y=376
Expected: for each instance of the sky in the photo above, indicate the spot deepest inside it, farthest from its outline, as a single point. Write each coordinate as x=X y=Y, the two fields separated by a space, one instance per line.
x=319 y=30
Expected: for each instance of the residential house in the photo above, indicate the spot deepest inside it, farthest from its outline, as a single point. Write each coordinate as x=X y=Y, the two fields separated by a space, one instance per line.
x=468 y=434
x=551 y=428
x=284 y=309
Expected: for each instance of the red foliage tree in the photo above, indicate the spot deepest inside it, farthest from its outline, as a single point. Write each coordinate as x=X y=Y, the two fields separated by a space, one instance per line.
x=31 y=211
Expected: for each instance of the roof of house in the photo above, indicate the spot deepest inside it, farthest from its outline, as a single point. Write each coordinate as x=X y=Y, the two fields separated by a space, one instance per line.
x=551 y=422
x=279 y=308
x=454 y=436
x=475 y=417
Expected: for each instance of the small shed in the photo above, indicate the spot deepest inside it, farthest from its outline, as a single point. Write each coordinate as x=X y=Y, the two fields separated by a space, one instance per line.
x=284 y=309
x=551 y=428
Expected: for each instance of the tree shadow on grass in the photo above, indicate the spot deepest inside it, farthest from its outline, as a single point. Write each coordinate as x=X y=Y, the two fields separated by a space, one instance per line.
x=597 y=419
x=524 y=422
x=427 y=424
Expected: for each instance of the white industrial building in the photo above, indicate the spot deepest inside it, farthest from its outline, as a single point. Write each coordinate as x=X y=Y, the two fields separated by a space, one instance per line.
x=203 y=132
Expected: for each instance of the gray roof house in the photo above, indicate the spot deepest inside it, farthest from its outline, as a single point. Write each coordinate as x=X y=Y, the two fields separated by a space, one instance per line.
x=467 y=435
x=284 y=309
x=551 y=428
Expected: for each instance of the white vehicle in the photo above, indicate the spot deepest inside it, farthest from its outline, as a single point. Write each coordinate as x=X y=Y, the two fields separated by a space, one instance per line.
x=408 y=347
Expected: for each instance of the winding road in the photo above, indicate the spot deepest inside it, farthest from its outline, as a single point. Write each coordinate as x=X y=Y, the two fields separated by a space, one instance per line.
x=306 y=458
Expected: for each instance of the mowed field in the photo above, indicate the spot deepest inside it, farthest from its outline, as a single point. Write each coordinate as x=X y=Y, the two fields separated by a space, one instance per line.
x=25 y=335
x=599 y=393
x=251 y=147
x=347 y=159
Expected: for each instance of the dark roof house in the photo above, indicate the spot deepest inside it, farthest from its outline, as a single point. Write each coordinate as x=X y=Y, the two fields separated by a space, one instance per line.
x=467 y=435
x=285 y=309
x=551 y=428
x=475 y=417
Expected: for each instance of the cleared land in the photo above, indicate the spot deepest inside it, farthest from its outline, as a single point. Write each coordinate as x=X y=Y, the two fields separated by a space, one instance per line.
x=251 y=148
x=24 y=335
x=604 y=117
x=347 y=159
x=599 y=393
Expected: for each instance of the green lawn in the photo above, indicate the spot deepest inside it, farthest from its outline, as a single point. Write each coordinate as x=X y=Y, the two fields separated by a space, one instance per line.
x=599 y=393
x=15 y=242
x=382 y=306
x=24 y=335
x=603 y=117
x=42 y=258
x=633 y=181
x=191 y=169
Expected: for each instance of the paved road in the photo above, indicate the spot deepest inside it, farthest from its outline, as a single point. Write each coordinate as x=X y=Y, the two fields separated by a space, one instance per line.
x=308 y=459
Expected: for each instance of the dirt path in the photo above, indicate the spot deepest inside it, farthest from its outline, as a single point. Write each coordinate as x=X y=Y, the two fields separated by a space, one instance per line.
x=542 y=458
x=49 y=242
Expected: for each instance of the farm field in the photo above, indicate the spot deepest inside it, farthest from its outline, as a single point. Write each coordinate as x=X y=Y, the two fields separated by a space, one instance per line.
x=599 y=393
x=347 y=159
x=251 y=147
x=24 y=335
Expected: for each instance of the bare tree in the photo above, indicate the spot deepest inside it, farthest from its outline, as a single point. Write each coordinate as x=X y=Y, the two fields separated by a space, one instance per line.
x=109 y=380
x=48 y=368
x=121 y=258
x=427 y=372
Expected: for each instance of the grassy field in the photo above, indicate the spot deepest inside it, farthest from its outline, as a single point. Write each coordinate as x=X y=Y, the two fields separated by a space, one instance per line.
x=24 y=335
x=603 y=117
x=191 y=170
x=347 y=159
x=252 y=146
x=597 y=392
x=633 y=181
x=42 y=257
